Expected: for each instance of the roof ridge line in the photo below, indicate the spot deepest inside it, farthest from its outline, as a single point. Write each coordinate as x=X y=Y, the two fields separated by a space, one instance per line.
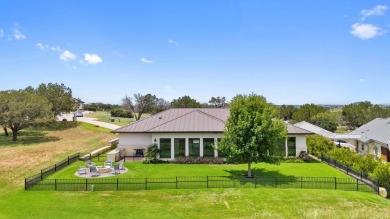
x=141 y=120
x=213 y=117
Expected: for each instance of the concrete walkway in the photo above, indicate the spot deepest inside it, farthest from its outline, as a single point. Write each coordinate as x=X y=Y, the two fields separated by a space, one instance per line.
x=94 y=121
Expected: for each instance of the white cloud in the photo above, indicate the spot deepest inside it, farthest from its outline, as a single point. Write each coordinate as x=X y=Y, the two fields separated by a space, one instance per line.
x=1 y=33
x=67 y=55
x=56 y=49
x=168 y=89
x=92 y=59
x=146 y=61
x=18 y=35
x=366 y=31
x=361 y=80
x=376 y=11
x=41 y=46
x=173 y=42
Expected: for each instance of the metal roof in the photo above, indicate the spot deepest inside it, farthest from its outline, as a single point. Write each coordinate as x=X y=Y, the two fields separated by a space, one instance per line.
x=326 y=133
x=188 y=120
x=376 y=130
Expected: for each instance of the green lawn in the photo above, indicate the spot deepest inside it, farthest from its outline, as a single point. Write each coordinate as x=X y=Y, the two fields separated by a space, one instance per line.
x=140 y=170
x=105 y=116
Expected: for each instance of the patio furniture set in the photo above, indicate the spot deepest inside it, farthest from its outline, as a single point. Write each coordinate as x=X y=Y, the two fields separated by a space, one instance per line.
x=95 y=171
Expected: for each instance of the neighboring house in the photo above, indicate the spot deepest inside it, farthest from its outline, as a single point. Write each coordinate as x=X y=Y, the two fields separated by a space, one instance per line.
x=192 y=132
x=337 y=138
x=374 y=138
x=79 y=103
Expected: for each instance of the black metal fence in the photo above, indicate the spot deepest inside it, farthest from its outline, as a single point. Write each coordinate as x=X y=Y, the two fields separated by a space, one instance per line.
x=358 y=175
x=197 y=182
x=35 y=179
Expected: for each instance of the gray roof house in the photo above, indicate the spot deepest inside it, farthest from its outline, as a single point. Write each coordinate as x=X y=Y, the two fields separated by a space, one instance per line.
x=192 y=132
x=374 y=138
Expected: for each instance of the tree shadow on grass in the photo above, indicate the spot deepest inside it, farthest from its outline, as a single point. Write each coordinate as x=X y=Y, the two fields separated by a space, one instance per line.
x=258 y=172
x=27 y=137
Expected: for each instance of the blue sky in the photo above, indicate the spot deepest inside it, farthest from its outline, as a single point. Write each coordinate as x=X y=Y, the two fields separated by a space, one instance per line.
x=292 y=52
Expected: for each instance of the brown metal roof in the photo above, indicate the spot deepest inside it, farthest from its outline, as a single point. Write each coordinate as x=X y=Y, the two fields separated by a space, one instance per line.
x=292 y=129
x=188 y=120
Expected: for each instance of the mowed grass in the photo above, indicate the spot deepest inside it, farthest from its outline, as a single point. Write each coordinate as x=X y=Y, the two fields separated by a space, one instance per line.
x=105 y=116
x=21 y=159
x=140 y=170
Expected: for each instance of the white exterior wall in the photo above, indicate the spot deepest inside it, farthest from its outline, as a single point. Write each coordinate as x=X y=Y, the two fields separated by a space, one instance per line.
x=300 y=143
x=369 y=148
x=130 y=141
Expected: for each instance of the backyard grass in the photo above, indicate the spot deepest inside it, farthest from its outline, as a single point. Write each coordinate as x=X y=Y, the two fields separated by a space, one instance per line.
x=105 y=116
x=24 y=158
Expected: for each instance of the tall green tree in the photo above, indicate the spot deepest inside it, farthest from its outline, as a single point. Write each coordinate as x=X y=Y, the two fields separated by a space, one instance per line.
x=358 y=114
x=21 y=109
x=252 y=133
x=140 y=104
x=325 y=120
x=185 y=102
x=218 y=102
x=287 y=111
x=58 y=95
x=306 y=111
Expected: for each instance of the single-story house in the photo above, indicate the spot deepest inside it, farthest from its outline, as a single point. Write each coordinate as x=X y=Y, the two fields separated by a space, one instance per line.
x=335 y=137
x=192 y=132
x=374 y=138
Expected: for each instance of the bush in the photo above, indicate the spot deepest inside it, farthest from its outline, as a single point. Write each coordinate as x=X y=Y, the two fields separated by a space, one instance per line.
x=366 y=163
x=199 y=160
x=344 y=156
x=90 y=108
x=318 y=145
x=382 y=173
x=151 y=154
x=119 y=112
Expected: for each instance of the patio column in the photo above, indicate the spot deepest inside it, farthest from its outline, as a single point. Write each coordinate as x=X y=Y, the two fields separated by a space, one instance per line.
x=216 y=149
x=201 y=147
x=172 y=148
x=187 y=148
x=286 y=147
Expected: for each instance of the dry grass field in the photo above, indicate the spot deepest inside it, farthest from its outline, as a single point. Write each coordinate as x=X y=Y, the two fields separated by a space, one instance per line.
x=24 y=158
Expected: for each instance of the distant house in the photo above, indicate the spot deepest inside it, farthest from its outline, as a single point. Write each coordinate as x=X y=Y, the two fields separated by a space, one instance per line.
x=336 y=137
x=374 y=138
x=192 y=132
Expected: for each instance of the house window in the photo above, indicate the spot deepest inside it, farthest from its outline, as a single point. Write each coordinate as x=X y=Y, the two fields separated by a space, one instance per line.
x=292 y=146
x=180 y=147
x=165 y=148
x=362 y=147
x=194 y=147
x=208 y=147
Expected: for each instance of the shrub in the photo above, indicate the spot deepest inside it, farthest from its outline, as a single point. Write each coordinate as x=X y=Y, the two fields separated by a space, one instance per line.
x=199 y=160
x=119 y=112
x=318 y=145
x=344 y=156
x=366 y=163
x=151 y=154
x=382 y=173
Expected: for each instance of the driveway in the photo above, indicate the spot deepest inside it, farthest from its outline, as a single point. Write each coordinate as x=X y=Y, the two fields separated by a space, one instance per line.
x=95 y=122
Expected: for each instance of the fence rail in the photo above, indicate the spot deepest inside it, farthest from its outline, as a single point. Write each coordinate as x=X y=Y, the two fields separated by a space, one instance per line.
x=197 y=182
x=358 y=175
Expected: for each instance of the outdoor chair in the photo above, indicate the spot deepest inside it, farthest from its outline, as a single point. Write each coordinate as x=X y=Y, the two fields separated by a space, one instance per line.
x=93 y=171
x=115 y=170
x=121 y=166
x=108 y=163
x=88 y=163
x=82 y=170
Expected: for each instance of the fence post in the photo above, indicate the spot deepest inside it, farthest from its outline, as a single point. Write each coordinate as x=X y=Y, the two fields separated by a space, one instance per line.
x=25 y=184
x=335 y=183
x=68 y=160
x=117 y=184
x=357 y=185
x=301 y=182
x=41 y=175
x=146 y=183
x=361 y=175
x=176 y=182
x=207 y=181
x=86 y=184
x=55 y=167
x=55 y=184
x=347 y=170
